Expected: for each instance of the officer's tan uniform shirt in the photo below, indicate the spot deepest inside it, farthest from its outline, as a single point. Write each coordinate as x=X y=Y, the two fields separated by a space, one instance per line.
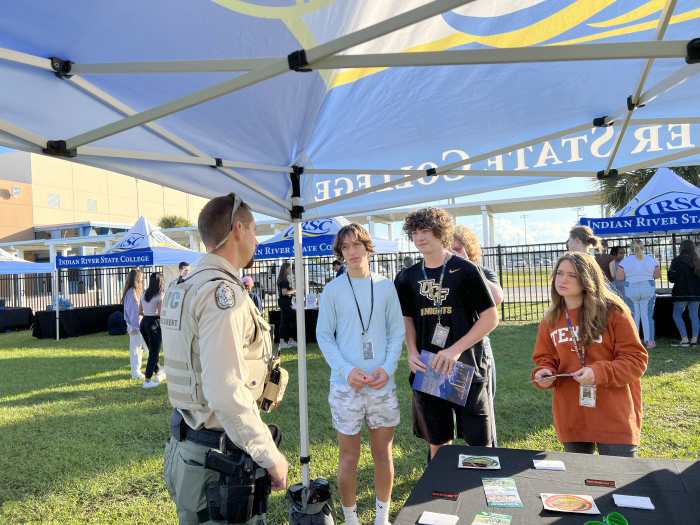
x=223 y=336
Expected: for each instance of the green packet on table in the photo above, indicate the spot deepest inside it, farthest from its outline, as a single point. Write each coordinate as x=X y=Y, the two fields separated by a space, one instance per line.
x=489 y=518
x=501 y=492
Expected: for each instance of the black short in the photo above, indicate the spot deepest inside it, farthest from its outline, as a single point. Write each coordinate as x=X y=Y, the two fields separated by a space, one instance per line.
x=434 y=418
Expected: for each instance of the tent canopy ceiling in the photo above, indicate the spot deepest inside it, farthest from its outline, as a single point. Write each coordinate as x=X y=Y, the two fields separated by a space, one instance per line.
x=505 y=92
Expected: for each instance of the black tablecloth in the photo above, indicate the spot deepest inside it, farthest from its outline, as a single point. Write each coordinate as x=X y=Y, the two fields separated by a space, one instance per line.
x=16 y=318
x=663 y=318
x=311 y=317
x=75 y=322
x=673 y=486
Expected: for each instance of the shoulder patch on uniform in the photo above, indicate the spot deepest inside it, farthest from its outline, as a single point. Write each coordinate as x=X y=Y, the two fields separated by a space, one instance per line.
x=225 y=296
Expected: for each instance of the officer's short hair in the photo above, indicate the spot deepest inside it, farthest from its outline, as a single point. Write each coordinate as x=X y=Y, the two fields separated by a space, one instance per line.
x=182 y=265
x=213 y=221
x=361 y=235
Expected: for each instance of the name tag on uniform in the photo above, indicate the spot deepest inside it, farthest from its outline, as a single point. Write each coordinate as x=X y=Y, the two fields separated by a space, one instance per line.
x=367 y=349
x=171 y=308
x=586 y=396
x=440 y=335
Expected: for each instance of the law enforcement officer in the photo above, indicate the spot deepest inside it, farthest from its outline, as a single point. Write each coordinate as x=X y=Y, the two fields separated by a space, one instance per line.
x=216 y=348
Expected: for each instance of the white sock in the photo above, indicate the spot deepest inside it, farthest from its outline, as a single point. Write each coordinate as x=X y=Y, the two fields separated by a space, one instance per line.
x=350 y=514
x=383 y=508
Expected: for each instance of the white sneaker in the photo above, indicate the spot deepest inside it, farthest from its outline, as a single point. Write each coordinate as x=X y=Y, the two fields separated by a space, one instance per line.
x=140 y=377
x=159 y=377
x=149 y=384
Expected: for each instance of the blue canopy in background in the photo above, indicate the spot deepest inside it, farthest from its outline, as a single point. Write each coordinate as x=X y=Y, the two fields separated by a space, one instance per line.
x=666 y=203
x=317 y=239
x=204 y=101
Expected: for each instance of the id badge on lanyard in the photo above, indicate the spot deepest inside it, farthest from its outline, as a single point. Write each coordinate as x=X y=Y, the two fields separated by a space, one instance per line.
x=586 y=393
x=367 y=343
x=441 y=332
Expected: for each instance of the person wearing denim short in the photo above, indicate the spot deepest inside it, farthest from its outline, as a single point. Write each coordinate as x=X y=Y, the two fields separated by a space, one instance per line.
x=639 y=271
x=360 y=331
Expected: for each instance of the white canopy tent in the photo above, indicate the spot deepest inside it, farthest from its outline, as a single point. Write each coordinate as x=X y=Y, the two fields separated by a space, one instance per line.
x=11 y=265
x=441 y=98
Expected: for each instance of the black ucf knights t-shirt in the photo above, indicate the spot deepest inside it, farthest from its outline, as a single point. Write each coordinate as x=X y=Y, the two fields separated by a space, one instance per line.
x=464 y=297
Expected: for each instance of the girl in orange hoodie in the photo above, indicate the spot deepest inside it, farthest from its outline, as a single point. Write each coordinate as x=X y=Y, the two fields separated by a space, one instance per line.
x=588 y=335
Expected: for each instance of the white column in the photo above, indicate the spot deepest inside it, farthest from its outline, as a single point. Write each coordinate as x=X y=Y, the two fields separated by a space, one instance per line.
x=107 y=280
x=52 y=258
x=18 y=283
x=193 y=245
x=301 y=357
x=492 y=231
x=372 y=231
x=486 y=232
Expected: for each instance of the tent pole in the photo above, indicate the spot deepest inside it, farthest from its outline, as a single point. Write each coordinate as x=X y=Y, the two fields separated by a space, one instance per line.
x=22 y=133
x=55 y=302
x=301 y=357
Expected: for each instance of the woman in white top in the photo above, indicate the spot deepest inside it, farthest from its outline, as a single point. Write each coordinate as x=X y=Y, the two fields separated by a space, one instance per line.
x=150 y=328
x=639 y=271
x=131 y=297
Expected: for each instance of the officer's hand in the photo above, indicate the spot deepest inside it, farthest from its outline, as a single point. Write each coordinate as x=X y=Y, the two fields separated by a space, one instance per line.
x=358 y=379
x=278 y=474
x=379 y=379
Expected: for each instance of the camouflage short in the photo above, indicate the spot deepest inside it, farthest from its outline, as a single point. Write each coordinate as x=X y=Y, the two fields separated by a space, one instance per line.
x=350 y=408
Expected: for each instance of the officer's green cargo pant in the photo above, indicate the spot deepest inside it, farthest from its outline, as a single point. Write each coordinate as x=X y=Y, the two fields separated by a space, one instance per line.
x=186 y=479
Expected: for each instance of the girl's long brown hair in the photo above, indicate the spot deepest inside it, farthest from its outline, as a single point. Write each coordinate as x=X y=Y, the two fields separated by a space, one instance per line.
x=133 y=280
x=283 y=272
x=597 y=298
x=688 y=246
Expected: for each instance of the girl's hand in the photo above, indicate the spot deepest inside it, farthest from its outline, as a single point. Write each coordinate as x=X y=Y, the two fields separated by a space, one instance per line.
x=543 y=372
x=585 y=376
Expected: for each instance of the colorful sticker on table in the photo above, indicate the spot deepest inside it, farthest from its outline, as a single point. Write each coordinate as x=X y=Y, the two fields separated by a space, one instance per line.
x=568 y=503
x=479 y=462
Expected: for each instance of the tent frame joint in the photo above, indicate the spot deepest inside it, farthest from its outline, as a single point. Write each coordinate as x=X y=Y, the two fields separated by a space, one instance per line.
x=600 y=122
x=693 y=56
x=297 y=210
x=62 y=68
x=305 y=460
x=57 y=148
x=431 y=172
x=298 y=62
x=609 y=175
x=631 y=105
x=219 y=163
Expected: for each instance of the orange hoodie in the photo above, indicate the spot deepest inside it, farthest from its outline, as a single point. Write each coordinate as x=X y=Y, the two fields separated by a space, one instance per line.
x=618 y=359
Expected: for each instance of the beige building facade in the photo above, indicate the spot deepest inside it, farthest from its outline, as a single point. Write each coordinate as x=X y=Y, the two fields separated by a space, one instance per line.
x=40 y=191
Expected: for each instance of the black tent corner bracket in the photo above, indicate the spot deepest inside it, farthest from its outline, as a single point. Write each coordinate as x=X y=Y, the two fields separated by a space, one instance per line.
x=61 y=67
x=430 y=172
x=693 y=51
x=298 y=62
x=602 y=175
x=304 y=460
x=57 y=148
x=219 y=163
x=599 y=122
x=631 y=105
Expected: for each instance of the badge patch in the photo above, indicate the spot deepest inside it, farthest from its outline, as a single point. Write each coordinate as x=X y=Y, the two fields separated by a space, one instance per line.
x=225 y=296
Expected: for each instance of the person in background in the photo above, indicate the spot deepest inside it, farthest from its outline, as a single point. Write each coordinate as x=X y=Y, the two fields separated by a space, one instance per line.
x=131 y=297
x=339 y=268
x=618 y=253
x=448 y=310
x=285 y=293
x=150 y=328
x=407 y=262
x=184 y=268
x=581 y=239
x=684 y=273
x=360 y=332
x=639 y=271
x=249 y=284
x=588 y=332
x=466 y=244
x=604 y=259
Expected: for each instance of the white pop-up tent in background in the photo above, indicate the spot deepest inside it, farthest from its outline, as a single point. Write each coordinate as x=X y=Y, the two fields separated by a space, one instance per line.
x=438 y=98
x=11 y=265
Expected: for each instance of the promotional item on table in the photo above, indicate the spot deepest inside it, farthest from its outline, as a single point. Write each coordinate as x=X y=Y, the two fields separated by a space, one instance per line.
x=577 y=503
x=435 y=518
x=490 y=518
x=479 y=462
x=548 y=464
x=501 y=492
x=453 y=386
x=633 y=502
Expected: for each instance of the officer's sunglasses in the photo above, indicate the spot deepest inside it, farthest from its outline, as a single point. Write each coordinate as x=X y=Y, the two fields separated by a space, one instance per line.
x=236 y=204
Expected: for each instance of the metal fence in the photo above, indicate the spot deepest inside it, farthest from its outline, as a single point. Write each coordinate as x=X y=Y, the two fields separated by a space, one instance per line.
x=83 y=286
x=523 y=271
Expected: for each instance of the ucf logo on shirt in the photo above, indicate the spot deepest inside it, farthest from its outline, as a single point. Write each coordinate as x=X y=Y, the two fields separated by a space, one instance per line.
x=434 y=294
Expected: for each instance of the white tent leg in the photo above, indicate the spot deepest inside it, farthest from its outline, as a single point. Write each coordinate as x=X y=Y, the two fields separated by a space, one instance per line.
x=301 y=356
x=55 y=301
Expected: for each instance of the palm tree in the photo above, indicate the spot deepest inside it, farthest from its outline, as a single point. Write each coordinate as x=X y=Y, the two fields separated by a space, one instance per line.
x=615 y=192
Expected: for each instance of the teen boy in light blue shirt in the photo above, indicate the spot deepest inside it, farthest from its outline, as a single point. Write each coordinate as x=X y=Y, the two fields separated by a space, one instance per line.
x=360 y=331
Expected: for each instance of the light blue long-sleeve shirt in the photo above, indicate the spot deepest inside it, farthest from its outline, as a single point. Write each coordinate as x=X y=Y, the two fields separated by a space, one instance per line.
x=339 y=331
x=131 y=310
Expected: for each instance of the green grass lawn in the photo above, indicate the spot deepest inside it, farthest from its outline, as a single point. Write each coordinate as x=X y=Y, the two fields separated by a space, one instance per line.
x=80 y=442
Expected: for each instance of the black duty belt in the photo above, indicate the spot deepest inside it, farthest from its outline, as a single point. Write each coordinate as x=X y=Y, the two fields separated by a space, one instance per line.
x=207 y=438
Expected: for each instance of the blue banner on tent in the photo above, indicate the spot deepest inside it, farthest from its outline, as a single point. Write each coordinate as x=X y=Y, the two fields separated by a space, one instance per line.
x=688 y=220
x=127 y=258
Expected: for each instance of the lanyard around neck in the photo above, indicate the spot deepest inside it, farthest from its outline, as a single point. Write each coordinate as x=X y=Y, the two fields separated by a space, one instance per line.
x=438 y=302
x=574 y=339
x=371 y=310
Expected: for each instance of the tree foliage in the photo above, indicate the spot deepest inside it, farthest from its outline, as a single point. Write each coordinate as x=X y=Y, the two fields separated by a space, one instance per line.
x=173 y=221
x=614 y=193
